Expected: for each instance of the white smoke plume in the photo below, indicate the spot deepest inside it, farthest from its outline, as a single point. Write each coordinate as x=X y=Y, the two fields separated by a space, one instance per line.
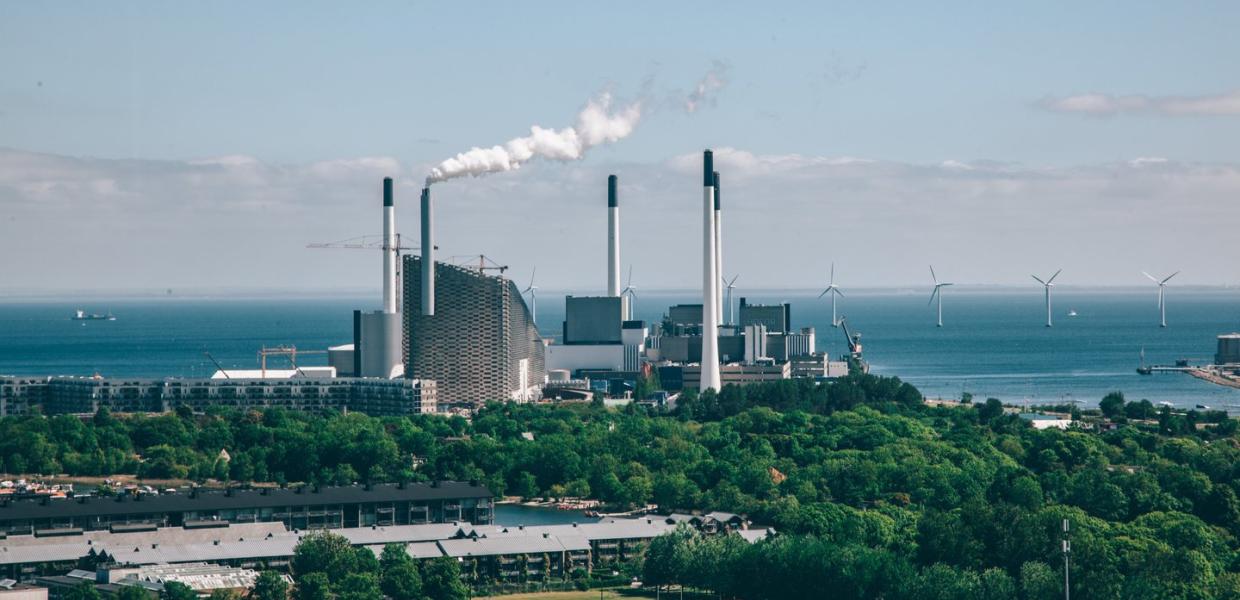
x=597 y=123
x=705 y=90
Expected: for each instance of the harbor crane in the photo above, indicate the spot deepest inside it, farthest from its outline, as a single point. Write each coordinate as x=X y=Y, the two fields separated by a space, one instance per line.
x=853 y=339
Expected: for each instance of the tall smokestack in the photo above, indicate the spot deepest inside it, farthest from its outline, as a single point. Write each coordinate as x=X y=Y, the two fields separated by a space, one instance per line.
x=613 y=238
x=718 y=250
x=710 y=279
x=428 y=254
x=389 y=249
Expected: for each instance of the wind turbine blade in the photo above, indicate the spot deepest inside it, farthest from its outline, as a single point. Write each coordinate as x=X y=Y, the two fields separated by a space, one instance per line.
x=832 y=282
x=838 y=292
x=1038 y=280
x=1054 y=276
x=932 y=295
x=630 y=282
x=946 y=284
x=824 y=292
x=932 y=275
x=1150 y=277
x=1169 y=277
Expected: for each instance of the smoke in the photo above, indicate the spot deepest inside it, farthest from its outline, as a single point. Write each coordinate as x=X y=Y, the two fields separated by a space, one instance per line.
x=705 y=91
x=599 y=122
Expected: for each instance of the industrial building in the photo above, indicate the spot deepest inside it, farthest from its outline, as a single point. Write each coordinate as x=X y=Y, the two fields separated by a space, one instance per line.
x=1228 y=350
x=479 y=345
x=86 y=395
x=303 y=507
x=599 y=335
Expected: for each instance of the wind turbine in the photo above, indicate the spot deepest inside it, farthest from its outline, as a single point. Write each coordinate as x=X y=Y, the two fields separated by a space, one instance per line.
x=731 y=285
x=1162 y=303
x=631 y=292
x=937 y=293
x=835 y=292
x=1047 y=285
x=532 y=290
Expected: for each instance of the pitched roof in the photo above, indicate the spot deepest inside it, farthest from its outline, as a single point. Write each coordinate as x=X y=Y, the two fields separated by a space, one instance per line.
x=240 y=499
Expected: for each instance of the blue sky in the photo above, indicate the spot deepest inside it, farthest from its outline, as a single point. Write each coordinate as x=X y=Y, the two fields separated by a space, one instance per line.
x=1053 y=91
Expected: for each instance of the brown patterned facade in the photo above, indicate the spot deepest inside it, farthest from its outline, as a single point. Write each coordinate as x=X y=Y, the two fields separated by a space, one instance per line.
x=481 y=343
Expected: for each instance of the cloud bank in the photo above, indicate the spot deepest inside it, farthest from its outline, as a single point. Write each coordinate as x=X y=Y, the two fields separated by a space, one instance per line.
x=69 y=223
x=1105 y=105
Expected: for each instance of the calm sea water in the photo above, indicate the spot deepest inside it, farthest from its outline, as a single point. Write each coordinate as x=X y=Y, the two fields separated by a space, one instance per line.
x=993 y=343
x=516 y=514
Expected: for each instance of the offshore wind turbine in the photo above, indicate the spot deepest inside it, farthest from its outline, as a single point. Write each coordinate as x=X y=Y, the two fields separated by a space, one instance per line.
x=1047 y=285
x=532 y=290
x=937 y=293
x=630 y=291
x=731 y=285
x=1162 y=302
x=835 y=292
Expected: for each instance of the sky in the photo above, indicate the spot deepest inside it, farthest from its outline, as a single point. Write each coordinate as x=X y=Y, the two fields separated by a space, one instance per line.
x=202 y=146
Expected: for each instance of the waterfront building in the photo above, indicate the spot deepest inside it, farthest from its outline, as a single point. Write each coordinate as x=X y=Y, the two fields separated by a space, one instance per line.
x=480 y=343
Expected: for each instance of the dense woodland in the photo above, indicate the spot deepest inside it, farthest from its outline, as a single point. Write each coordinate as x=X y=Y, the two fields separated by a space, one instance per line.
x=873 y=493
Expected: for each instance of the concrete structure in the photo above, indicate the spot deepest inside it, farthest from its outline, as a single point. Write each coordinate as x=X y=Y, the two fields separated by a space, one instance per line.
x=376 y=349
x=378 y=336
x=737 y=374
x=593 y=320
x=719 y=273
x=18 y=394
x=13 y=591
x=480 y=344
x=709 y=375
x=1228 y=350
x=613 y=238
x=304 y=507
x=776 y=317
x=755 y=343
x=427 y=296
x=86 y=395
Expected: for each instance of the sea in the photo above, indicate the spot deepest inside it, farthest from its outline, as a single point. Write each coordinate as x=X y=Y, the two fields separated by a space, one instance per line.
x=994 y=342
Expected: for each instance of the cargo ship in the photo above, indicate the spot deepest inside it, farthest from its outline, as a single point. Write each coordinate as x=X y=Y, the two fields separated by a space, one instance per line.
x=81 y=315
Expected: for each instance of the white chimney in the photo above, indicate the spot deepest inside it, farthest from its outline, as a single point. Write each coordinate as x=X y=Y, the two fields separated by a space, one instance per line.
x=718 y=251
x=710 y=281
x=389 y=249
x=613 y=239
x=428 y=254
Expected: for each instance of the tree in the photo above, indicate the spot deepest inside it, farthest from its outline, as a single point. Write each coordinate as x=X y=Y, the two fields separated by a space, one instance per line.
x=1112 y=405
x=313 y=586
x=1039 y=582
x=400 y=579
x=441 y=580
x=175 y=590
x=82 y=591
x=991 y=410
x=326 y=553
x=359 y=586
x=402 y=582
x=132 y=592
x=269 y=586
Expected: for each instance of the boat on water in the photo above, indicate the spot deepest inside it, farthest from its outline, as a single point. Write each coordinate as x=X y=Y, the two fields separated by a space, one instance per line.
x=1071 y=312
x=81 y=315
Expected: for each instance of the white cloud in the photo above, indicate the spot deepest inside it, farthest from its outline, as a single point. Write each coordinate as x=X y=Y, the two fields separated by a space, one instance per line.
x=78 y=223
x=1098 y=104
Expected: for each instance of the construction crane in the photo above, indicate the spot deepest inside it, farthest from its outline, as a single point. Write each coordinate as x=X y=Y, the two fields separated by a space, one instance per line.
x=853 y=339
x=290 y=351
x=478 y=262
x=364 y=242
x=217 y=364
